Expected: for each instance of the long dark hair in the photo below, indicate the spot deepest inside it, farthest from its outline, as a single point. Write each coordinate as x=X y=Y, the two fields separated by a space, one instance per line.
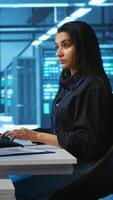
x=84 y=39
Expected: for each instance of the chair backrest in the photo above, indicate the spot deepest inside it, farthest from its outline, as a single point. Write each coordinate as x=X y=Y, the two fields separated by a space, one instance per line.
x=97 y=183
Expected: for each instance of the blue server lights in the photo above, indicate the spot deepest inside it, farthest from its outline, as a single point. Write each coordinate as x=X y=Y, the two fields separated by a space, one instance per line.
x=50 y=74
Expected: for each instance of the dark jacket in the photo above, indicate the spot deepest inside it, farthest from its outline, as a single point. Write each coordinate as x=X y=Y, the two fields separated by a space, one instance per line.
x=81 y=116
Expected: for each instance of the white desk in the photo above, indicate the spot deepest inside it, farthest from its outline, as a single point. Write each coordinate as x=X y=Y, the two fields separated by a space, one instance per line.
x=59 y=162
x=7 y=191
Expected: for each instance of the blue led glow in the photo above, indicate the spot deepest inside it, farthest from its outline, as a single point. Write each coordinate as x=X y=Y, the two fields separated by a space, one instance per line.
x=46 y=108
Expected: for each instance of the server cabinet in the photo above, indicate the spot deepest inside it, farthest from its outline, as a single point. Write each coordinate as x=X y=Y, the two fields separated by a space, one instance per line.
x=24 y=91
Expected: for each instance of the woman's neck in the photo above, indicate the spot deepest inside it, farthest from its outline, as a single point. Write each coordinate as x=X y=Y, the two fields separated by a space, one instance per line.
x=73 y=71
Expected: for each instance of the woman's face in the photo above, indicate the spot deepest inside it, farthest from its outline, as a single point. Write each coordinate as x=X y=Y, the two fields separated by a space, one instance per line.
x=66 y=52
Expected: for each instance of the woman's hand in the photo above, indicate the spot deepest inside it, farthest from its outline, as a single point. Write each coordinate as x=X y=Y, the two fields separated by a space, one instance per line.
x=26 y=134
x=23 y=134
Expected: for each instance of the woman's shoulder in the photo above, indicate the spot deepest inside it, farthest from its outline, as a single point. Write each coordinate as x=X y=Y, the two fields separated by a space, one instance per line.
x=95 y=82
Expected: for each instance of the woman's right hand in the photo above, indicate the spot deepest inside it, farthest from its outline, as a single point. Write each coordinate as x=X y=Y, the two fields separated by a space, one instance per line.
x=22 y=134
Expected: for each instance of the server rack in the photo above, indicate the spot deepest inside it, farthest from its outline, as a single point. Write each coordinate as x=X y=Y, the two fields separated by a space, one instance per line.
x=24 y=91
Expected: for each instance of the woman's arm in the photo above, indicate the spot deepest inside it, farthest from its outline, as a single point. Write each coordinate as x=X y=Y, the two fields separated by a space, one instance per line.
x=26 y=134
x=85 y=128
x=47 y=138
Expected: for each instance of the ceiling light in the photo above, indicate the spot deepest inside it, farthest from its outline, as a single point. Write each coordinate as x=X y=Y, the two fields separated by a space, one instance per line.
x=39 y=5
x=44 y=37
x=36 y=42
x=77 y=14
x=105 y=4
x=96 y=2
x=17 y=29
x=67 y=19
x=52 y=31
x=80 y=12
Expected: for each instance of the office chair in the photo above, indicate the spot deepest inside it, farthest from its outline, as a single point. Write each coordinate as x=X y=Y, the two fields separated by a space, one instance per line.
x=98 y=183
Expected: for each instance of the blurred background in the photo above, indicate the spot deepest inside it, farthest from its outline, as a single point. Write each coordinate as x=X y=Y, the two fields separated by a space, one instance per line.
x=29 y=71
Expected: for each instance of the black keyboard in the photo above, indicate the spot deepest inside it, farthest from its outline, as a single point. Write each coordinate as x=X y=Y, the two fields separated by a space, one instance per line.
x=6 y=141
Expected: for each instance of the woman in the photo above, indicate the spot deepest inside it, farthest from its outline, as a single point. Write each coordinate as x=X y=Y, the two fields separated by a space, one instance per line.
x=81 y=110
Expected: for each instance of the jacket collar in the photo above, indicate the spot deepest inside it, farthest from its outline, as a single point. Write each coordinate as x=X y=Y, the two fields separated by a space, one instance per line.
x=72 y=81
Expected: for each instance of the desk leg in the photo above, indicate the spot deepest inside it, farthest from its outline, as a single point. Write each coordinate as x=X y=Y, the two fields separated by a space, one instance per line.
x=7 y=191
